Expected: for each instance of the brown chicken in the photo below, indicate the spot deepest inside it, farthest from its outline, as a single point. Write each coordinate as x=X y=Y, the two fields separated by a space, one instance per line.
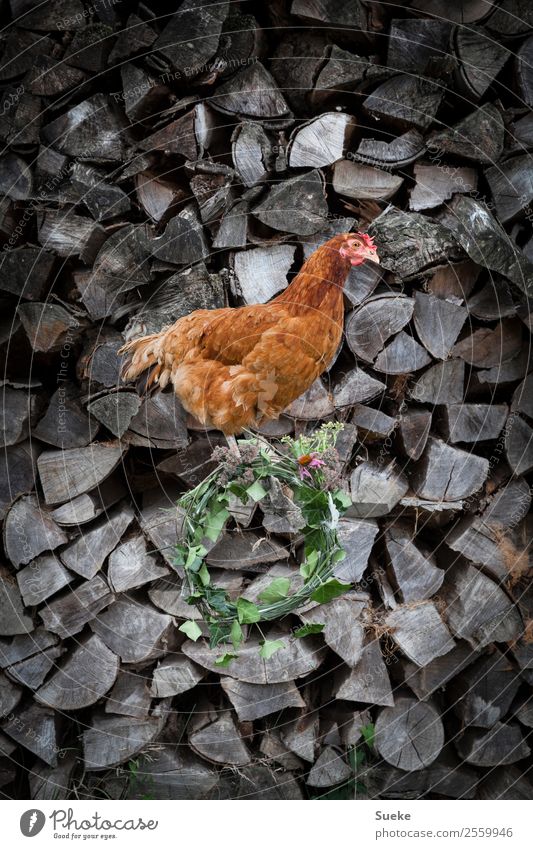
x=233 y=367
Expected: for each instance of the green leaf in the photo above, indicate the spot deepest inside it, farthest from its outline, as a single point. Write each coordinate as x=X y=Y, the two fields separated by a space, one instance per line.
x=214 y=524
x=195 y=557
x=270 y=647
x=190 y=627
x=340 y=554
x=342 y=498
x=310 y=628
x=309 y=565
x=329 y=590
x=236 y=634
x=276 y=590
x=225 y=659
x=247 y=611
x=256 y=491
x=368 y=732
x=203 y=574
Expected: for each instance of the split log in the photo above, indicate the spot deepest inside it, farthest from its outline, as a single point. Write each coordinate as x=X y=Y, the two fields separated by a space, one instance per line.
x=36 y=729
x=343 y=621
x=368 y=681
x=25 y=272
x=321 y=141
x=434 y=185
x=369 y=327
x=329 y=769
x=315 y=403
x=295 y=659
x=110 y=740
x=354 y=180
x=174 y=675
x=479 y=136
x=115 y=410
x=402 y=355
x=191 y=36
x=519 y=444
x=424 y=681
x=492 y=302
x=129 y=696
x=252 y=93
x=261 y=273
x=89 y=672
x=413 y=431
x=474 y=422
x=409 y=735
x=245 y=550
x=42 y=578
x=419 y=632
x=356 y=536
x=14 y=620
x=296 y=206
x=66 y=474
x=40 y=532
x=444 y=473
x=396 y=153
x=523 y=71
x=86 y=555
x=136 y=632
x=221 y=743
x=405 y=101
x=355 y=387
x=481 y=59
x=65 y=423
x=522 y=401
x=443 y=383
x=50 y=327
x=69 y=613
x=511 y=186
x=253 y=701
x=502 y=744
x=91 y=130
x=52 y=782
x=372 y=424
x=130 y=566
x=438 y=323
x=419 y=45
x=415 y=573
x=478 y=610
x=375 y=490
x=251 y=151
x=482 y=694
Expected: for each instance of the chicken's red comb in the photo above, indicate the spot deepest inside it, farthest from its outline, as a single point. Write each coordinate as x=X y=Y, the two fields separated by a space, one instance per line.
x=367 y=240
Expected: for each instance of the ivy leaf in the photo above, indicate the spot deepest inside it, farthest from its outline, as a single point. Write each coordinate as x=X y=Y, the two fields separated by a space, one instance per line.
x=256 y=491
x=276 y=590
x=309 y=565
x=203 y=574
x=338 y=555
x=368 y=734
x=190 y=627
x=236 y=635
x=310 y=628
x=247 y=611
x=342 y=498
x=329 y=590
x=195 y=557
x=214 y=524
x=270 y=647
x=225 y=659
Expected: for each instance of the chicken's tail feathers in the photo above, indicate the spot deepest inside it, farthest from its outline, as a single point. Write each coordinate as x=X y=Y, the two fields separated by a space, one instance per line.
x=143 y=361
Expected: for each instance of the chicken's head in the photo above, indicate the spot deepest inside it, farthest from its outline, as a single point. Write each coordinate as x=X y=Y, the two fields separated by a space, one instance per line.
x=358 y=247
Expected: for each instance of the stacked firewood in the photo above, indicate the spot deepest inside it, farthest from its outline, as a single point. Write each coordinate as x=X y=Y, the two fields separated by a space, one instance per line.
x=153 y=163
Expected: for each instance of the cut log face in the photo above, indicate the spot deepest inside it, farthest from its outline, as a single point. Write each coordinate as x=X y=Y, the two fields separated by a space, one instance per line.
x=474 y=422
x=40 y=531
x=66 y=474
x=368 y=681
x=415 y=574
x=419 y=632
x=405 y=101
x=409 y=735
x=42 y=721
x=369 y=327
x=434 y=185
x=129 y=696
x=343 y=626
x=136 y=632
x=482 y=693
x=297 y=206
x=438 y=323
x=322 y=141
x=70 y=612
x=253 y=701
x=353 y=180
x=13 y=620
x=444 y=473
x=262 y=272
x=376 y=490
x=174 y=675
x=89 y=672
x=130 y=566
x=220 y=742
x=519 y=445
x=443 y=383
x=112 y=740
x=328 y=769
x=503 y=744
x=43 y=577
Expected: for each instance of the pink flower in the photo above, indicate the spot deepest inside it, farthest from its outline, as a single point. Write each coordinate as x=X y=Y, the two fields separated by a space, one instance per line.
x=309 y=461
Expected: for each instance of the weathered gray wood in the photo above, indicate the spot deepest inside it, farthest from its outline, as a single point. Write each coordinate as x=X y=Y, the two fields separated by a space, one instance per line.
x=415 y=573
x=91 y=130
x=161 y=521
x=89 y=672
x=502 y=744
x=32 y=671
x=443 y=383
x=295 y=659
x=372 y=424
x=245 y=550
x=493 y=301
x=485 y=348
x=356 y=387
x=250 y=153
x=481 y=59
x=354 y=180
x=221 y=743
x=523 y=70
x=115 y=411
x=509 y=504
x=41 y=578
x=410 y=242
x=413 y=431
x=426 y=680
x=368 y=681
x=35 y=728
x=322 y=141
x=329 y=768
x=343 y=620
x=522 y=401
x=67 y=614
x=65 y=423
x=444 y=473
x=129 y=696
x=66 y=474
x=296 y=206
x=482 y=694
x=49 y=326
x=261 y=273
x=130 y=565
x=474 y=422
x=402 y=355
x=434 y=185
x=369 y=327
x=405 y=101
x=409 y=735
x=52 y=783
x=438 y=323
x=10 y=695
x=253 y=701
x=112 y=740
x=477 y=609
x=87 y=553
x=160 y=423
x=356 y=536
x=301 y=736
x=376 y=489
x=251 y=93
x=13 y=619
x=419 y=632
x=174 y=675
x=133 y=630
x=519 y=444
x=29 y=530
x=418 y=45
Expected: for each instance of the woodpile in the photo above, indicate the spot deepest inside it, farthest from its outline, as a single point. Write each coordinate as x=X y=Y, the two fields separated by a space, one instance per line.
x=152 y=165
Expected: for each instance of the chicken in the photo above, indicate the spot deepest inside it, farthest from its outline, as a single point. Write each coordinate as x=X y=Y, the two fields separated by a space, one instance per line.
x=233 y=367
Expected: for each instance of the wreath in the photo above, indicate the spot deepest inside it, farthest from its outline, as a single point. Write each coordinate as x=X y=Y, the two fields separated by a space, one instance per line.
x=304 y=475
